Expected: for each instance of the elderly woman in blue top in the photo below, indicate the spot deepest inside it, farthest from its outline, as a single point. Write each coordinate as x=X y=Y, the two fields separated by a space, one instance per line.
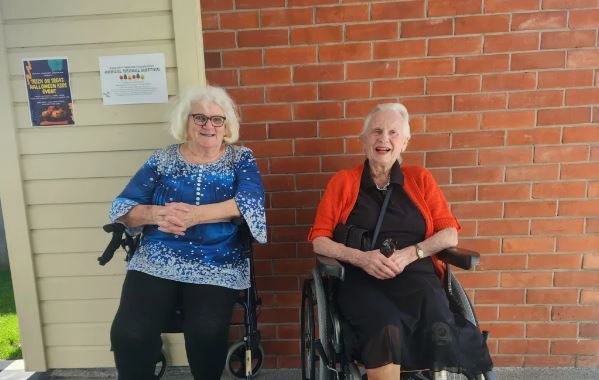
x=183 y=199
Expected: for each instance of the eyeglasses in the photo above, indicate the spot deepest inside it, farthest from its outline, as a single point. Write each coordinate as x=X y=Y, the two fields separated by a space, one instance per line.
x=201 y=119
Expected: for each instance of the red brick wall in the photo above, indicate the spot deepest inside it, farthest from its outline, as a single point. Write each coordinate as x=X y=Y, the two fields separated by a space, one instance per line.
x=504 y=98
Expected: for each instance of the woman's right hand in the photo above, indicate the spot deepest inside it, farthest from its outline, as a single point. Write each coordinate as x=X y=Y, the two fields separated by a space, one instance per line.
x=167 y=220
x=377 y=265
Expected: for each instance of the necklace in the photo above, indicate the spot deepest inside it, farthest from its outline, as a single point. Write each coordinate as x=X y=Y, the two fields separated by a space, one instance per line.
x=385 y=186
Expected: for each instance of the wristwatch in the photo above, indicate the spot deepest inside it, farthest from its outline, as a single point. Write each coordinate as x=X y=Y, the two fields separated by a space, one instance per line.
x=419 y=251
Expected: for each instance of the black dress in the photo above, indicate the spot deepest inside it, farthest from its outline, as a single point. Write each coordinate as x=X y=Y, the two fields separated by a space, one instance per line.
x=405 y=320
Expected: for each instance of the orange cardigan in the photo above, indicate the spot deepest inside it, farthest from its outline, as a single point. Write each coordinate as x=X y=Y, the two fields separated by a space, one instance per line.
x=341 y=195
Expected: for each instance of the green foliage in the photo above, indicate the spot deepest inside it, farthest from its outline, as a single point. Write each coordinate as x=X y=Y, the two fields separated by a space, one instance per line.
x=10 y=343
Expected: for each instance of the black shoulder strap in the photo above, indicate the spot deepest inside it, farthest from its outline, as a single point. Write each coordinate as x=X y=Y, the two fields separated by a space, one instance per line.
x=377 y=229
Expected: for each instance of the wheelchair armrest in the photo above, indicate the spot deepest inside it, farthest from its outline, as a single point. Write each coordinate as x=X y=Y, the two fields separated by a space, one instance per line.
x=459 y=257
x=330 y=266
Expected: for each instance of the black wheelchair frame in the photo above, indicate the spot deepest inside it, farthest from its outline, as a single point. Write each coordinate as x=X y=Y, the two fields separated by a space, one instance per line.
x=322 y=348
x=245 y=358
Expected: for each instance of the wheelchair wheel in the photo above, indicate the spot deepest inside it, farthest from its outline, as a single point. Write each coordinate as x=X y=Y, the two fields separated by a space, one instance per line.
x=308 y=334
x=161 y=365
x=235 y=364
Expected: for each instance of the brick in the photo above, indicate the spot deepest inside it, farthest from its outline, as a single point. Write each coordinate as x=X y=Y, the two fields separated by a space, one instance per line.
x=216 y=5
x=549 y=361
x=568 y=4
x=239 y=20
x=336 y=163
x=486 y=245
x=528 y=346
x=427 y=104
x=312 y=181
x=291 y=93
x=438 y=8
x=482 y=64
x=456 y=193
x=209 y=21
x=478 y=280
x=371 y=31
x=222 y=77
x=501 y=6
x=554 y=261
x=271 y=148
x=212 y=60
x=399 y=87
x=397 y=10
x=535 y=99
x=252 y=131
x=477 y=210
x=318 y=73
x=362 y=107
x=482 y=24
x=477 y=139
x=242 y=58
x=317 y=34
x=594 y=189
x=424 y=67
x=277 y=217
x=502 y=227
x=272 y=75
x=577 y=243
x=583 y=58
x=454 y=46
x=538 y=60
x=476 y=175
x=305 y=216
x=504 y=330
x=452 y=122
x=429 y=142
x=256 y=113
x=558 y=190
x=502 y=262
x=528 y=245
x=539 y=20
x=442 y=178
x=286 y=17
x=262 y=37
x=589 y=330
x=592 y=225
x=503 y=192
x=315 y=111
x=278 y=182
x=274 y=251
x=334 y=128
x=507 y=82
x=508 y=360
x=426 y=28
x=581 y=134
x=290 y=55
x=565 y=78
x=570 y=39
x=309 y=147
x=500 y=43
x=479 y=102
x=453 y=84
x=577 y=347
x=499 y=296
x=556 y=226
x=532 y=172
x=505 y=156
x=580 y=171
x=468 y=228
x=564 y=116
x=561 y=153
x=577 y=279
x=530 y=209
x=589 y=296
x=345 y=90
x=371 y=70
x=299 y=3
x=336 y=14
x=399 y=49
x=534 y=136
x=588 y=18
x=295 y=165
x=550 y=330
x=591 y=261
x=345 y=52
x=250 y=4
x=219 y=40
x=526 y=280
x=579 y=208
x=508 y=119
x=523 y=313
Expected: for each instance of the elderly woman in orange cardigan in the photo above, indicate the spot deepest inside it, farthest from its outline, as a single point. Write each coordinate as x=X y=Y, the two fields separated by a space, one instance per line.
x=396 y=305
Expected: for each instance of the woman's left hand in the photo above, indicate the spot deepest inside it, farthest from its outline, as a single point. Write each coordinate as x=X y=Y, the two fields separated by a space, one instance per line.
x=403 y=257
x=183 y=211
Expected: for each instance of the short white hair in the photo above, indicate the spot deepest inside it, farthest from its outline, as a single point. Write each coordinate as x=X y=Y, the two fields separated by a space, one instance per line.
x=208 y=94
x=403 y=111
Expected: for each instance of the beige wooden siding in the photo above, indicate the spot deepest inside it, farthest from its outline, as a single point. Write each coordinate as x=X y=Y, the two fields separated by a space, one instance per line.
x=70 y=174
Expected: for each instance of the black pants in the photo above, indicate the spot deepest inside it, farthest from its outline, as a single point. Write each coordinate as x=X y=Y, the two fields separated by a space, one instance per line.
x=148 y=302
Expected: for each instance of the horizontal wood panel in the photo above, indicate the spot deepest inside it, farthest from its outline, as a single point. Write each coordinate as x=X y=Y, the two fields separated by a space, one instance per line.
x=83 y=165
x=84 y=58
x=78 y=264
x=80 y=288
x=69 y=240
x=93 y=112
x=94 y=139
x=101 y=29
x=79 y=311
x=76 y=190
x=86 y=86
x=25 y=9
x=68 y=215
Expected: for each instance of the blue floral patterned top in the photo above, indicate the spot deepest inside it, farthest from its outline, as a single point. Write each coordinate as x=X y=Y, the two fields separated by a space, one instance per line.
x=207 y=253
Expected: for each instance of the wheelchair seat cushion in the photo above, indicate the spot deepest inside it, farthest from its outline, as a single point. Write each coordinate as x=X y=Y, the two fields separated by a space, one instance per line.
x=407 y=320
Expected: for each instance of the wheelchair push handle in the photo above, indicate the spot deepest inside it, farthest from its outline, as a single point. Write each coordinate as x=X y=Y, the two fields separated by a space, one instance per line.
x=117 y=230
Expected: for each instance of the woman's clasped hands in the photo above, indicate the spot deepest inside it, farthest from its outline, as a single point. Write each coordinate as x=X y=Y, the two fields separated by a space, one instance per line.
x=175 y=217
x=378 y=265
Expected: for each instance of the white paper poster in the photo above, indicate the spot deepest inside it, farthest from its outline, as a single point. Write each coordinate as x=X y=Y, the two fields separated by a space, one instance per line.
x=133 y=79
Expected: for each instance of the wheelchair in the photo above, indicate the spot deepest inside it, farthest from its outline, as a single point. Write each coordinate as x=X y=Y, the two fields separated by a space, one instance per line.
x=245 y=358
x=323 y=354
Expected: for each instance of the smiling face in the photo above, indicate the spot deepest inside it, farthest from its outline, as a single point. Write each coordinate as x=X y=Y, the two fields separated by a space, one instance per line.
x=207 y=136
x=384 y=140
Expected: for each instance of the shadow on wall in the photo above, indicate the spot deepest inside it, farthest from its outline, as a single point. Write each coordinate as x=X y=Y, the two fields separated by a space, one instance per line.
x=3 y=250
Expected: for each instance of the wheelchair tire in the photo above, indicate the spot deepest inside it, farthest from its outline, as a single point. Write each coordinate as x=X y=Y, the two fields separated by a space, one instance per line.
x=308 y=332
x=161 y=365
x=490 y=375
x=235 y=364
x=353 y=372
